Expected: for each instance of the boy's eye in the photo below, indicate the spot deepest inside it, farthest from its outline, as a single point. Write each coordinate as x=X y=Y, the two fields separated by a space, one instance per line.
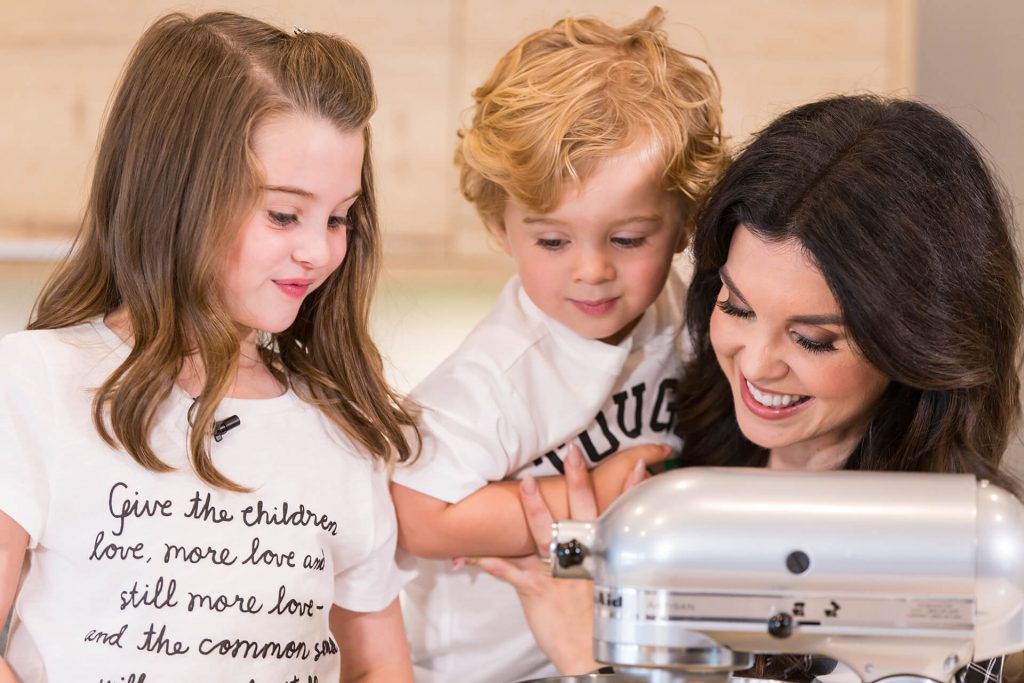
x=727 y=307
x=281 y=218
x=629 y=242
x=550 y=243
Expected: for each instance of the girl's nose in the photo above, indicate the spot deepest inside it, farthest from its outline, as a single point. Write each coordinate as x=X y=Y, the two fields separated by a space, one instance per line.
x=312 y=248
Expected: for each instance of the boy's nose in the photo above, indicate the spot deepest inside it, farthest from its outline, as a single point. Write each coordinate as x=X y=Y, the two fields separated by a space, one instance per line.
x=593 y=267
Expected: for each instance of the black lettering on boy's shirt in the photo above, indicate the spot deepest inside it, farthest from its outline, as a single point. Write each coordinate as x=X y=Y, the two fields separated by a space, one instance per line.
x=554 y=459
x=638 y=410
x=661 y=420
x=588 y=444
x=662 y=416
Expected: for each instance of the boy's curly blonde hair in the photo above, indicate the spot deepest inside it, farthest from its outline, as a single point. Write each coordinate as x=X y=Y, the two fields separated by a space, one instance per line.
x=567 y=97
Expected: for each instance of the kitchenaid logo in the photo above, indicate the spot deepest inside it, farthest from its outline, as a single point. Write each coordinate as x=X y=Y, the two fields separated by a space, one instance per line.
x=607 y=597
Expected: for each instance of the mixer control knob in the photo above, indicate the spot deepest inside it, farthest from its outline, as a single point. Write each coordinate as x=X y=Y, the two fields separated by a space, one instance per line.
x=569 y=553
x=781 y=625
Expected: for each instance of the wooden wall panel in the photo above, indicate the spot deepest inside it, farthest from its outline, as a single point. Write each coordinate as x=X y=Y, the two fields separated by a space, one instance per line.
x=60 y=58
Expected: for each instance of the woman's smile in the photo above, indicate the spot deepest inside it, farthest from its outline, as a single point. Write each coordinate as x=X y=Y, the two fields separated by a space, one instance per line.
x=772 y=405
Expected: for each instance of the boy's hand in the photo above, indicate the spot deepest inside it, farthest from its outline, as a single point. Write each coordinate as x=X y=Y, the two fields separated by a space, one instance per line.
x=491 y=521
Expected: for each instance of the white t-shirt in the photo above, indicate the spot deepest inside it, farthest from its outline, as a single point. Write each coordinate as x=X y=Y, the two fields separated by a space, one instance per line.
x=505 y=404
x=139 y=576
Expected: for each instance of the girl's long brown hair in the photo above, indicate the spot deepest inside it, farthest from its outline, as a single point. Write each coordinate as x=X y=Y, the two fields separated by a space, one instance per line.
x=175 y=172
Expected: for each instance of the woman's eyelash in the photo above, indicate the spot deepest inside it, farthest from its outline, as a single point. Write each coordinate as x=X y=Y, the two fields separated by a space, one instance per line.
x=813 y=346
x=807 y=344
x=725 y=306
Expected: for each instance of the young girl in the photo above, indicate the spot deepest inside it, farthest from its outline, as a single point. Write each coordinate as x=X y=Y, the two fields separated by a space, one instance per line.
x=195 y=433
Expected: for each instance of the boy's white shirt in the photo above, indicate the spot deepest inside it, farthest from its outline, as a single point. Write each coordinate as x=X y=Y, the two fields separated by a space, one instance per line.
x=505 y=404
x=78 y=619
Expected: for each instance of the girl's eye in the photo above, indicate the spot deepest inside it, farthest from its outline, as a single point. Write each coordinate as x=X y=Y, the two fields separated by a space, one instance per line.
x=337 y=222
x=812 y=345
x=282 y=219
x=727 y=307
x=550 y=243
x=629 y=242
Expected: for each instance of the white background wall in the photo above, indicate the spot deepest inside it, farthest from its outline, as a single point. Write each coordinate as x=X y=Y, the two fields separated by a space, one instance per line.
x=59 y=60
x=970 y=64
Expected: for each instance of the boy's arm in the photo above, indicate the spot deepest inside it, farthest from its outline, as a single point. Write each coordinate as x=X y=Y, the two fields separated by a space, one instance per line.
x=490 y=521
x=13 y=543
x=373 y=645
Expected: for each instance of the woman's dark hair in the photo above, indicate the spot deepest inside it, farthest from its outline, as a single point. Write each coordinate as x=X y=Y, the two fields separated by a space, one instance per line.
x=912 y=233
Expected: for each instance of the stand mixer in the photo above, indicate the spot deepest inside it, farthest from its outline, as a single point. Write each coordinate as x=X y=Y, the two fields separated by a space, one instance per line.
x=902 y=577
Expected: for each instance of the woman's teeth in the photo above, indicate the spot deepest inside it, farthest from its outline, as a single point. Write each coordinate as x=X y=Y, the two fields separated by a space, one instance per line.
x=774 y=400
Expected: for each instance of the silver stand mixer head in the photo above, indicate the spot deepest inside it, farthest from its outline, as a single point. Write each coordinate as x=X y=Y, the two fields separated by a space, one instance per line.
x=902 y=577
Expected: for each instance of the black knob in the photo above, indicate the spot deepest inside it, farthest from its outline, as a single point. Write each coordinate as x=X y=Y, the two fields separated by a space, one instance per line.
x=781 y=625
x=570 y=553
x=798 y=562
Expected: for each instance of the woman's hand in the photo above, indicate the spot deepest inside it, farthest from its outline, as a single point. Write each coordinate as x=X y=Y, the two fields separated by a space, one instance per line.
x=559 y=611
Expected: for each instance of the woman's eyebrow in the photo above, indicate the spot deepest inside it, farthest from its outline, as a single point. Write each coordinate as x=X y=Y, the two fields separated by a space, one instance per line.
x=732 y=286
x=821 y=319
x=811 y=319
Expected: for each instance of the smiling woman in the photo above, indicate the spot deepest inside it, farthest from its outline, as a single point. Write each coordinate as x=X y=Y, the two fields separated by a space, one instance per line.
x=845 y=313
x=801 y=387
